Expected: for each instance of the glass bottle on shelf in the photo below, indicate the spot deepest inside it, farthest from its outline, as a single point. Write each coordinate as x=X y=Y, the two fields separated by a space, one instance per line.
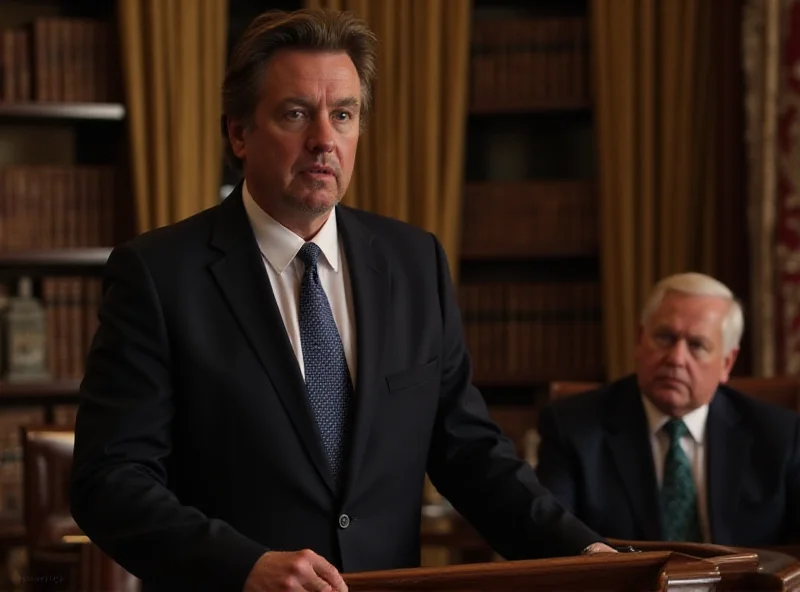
x=26 y=336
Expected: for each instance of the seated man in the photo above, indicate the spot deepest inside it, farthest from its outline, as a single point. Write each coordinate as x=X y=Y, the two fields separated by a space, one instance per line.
x=671 y=453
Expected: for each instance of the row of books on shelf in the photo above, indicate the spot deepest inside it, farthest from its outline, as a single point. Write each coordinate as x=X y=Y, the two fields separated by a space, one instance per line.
x=533 y=331
x=58 y=59
x=504 y=219
x=53 y=207
x=71 y=305
x=514 y=331
x=529 y=62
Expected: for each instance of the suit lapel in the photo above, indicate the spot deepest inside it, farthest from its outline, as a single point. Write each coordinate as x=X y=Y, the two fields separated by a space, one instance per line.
x=728 y=452
x=629 y=441
x=243 y=280
x=369 y=280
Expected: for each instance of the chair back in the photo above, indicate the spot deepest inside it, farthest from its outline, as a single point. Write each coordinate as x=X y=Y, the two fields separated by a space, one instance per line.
x=47 y=461
x=783 y=391
x=564 y=388
x=57 y=549
x=779 y=390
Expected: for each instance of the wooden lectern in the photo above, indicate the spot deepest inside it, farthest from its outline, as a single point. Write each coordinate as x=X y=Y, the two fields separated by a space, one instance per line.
x=654 y=566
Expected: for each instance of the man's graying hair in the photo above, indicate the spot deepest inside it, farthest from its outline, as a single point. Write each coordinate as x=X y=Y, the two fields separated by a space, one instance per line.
x=315 y=30
x=698 y=284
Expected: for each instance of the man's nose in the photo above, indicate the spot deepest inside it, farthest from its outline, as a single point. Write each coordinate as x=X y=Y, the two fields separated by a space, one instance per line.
x=321 y=136
x=678 y=353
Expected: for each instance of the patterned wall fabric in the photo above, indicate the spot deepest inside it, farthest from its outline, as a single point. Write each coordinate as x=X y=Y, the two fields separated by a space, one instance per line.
x=771 y=61
x=787 y=228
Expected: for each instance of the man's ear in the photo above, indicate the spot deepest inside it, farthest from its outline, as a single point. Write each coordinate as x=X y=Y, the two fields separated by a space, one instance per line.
x=727 y=365
x=236 y=137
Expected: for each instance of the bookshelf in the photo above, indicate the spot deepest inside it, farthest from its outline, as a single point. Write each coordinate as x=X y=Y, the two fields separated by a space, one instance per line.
x=530 y=255
x=529 y=268
x=64 y=204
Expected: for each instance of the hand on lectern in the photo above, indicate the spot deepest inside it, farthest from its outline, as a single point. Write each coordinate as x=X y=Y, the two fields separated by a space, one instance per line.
x=598 y=548
x=296 y=571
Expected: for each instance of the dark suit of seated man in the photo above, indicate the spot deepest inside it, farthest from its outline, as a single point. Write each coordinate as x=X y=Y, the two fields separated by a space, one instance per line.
x=733 y=474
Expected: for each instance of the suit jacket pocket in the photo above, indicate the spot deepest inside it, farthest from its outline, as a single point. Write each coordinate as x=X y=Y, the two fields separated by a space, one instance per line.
x=405 y=379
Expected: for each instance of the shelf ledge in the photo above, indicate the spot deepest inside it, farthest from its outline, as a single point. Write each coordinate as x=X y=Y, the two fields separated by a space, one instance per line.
x=62 y=111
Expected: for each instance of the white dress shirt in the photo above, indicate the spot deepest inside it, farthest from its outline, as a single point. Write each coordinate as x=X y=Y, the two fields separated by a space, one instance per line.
x=693 y=445
x=279 y=247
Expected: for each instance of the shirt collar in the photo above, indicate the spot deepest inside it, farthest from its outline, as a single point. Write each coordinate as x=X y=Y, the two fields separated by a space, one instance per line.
x=279 y=245
x=695 y=420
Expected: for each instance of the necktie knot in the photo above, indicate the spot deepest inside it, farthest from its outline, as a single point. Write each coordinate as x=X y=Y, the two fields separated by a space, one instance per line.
x=308 y=254
x=676 y=429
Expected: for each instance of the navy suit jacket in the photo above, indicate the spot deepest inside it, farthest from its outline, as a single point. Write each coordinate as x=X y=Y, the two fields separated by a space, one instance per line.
x=595 y=457
x=196 y=449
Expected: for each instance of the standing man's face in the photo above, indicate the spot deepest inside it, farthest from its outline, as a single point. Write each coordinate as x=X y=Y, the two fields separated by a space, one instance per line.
x=300 y=153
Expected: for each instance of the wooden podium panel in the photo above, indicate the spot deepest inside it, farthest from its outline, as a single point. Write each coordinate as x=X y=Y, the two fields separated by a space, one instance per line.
x=775 y=569
x=657 y=567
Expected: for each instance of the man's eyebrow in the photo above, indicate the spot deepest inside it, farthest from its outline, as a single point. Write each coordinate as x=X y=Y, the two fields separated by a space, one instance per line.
x=347 y=102
x=308 y=103
x=298 y=101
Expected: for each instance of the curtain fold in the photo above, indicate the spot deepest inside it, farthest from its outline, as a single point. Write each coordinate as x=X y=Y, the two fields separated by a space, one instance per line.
x=173 y=60
x=760 y=40
x=410 y=162
x=655 y=130
x=771 y=63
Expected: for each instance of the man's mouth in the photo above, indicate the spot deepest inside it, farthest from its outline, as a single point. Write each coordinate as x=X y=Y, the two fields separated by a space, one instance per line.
x=670 y=380
x=319 y=170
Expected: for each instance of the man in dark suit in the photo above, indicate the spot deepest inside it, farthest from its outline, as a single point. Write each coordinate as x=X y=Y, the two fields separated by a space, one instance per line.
x=273 y=377
x=671 y=453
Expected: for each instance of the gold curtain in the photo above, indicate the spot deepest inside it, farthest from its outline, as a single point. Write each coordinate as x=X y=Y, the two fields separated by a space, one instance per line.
x=173 y=61
x=410 y=163
x=761 y=38
x=655 y=133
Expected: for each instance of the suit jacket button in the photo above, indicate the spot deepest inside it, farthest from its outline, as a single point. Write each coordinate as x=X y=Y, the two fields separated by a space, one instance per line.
x=344 y=521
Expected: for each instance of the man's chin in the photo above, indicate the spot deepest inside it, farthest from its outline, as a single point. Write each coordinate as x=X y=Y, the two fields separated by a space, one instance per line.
x=668 y=397
x=315 y=204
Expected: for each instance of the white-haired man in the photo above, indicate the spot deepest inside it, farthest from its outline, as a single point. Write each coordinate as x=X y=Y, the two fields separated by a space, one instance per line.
x=671 y=453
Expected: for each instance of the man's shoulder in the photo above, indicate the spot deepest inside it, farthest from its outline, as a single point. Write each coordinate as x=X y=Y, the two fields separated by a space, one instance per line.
x=759 y=415
x=408 y=249
x=386 y=227
x=590 y=403
x=175 y=239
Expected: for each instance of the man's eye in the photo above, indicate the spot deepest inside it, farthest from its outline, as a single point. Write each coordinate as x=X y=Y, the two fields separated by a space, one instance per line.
x=342 y=116
x=294 y=115
x=662 y=338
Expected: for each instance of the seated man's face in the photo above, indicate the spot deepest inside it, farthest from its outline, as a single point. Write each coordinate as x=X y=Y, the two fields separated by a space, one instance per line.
x=680 y=358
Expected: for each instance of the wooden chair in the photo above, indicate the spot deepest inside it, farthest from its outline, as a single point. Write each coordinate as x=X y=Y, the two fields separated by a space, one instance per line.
x=564 y=388
x=780 y=390
x=60 y=556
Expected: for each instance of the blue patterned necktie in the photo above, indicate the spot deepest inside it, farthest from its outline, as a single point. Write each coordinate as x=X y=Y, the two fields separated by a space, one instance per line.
x=681 y=519
x=330 y=390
